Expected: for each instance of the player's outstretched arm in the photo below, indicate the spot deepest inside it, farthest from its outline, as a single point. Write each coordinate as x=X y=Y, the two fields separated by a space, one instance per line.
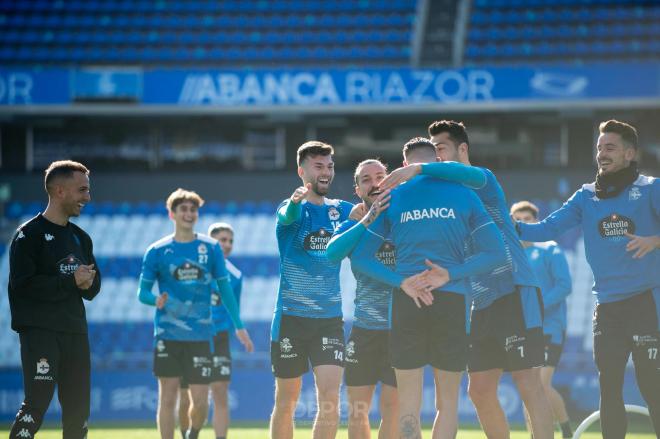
x=562 y=279
x=566 y=217
x=291 y=210
x=469 y=176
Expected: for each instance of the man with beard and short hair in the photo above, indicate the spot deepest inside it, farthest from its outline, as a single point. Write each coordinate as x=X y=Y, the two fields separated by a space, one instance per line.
x=428 y=221
x=307 y=325
x=507 y=309
x=367 y=353
x=620 y=218
x=51 y=269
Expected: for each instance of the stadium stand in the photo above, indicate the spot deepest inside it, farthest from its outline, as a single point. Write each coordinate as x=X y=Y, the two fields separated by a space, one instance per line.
x=525 y=31
x=205 y=32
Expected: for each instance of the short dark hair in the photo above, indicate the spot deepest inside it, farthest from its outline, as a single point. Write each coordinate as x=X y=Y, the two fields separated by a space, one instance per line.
x=417 y=143
x=525 y=206
x=179 y=196
x=627 y=132
x=457 y=131
x=220 y=227
x=364 y=163
x=313 y=148
x=62 y=169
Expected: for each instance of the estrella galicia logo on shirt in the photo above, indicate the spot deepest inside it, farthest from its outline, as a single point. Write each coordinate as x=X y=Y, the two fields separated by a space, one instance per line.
x=317 y=241
x=68 y=265
x=615 y=225
x=188 y=271
x=385 y=254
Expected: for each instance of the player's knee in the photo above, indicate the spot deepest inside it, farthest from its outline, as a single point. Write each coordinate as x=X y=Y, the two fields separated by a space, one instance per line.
x=528 y=382
x=328 y=393
x=481 y=391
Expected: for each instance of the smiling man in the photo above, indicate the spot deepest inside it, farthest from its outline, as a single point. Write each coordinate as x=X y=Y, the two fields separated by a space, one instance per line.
x=189 y=267
x=307 y=324
x=51 y=269
x=620 y=217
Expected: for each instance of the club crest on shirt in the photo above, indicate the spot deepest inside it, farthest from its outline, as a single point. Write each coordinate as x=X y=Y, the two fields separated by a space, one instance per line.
x=69 y=264
x=615 y=226
x=202 y=250
x=333 y=213
x=634 y=193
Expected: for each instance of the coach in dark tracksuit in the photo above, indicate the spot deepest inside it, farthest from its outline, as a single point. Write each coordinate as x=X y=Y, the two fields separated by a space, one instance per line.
x=51 y=269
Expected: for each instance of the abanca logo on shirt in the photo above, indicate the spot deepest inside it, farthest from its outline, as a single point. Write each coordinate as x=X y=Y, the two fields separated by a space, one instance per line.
x=434 y=212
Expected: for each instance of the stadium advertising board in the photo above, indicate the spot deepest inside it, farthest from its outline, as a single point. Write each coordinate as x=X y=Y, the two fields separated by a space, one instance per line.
x=342 y=89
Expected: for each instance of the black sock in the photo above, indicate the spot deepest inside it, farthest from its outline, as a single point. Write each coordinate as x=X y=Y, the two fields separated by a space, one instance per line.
x=221 y=437
x=192 y=433
x=183 y=434
x=566 y=429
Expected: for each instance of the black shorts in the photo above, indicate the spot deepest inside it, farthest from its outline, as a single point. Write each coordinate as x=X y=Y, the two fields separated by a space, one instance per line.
x=221 y=360
x=367 y=358
x=500 y=337
x=189 y=360
x=305 y=340
x=432 y=334
x=553 y=350
x=628 y=326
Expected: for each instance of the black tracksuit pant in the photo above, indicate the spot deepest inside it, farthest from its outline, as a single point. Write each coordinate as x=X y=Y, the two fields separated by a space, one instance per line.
x=52 y=358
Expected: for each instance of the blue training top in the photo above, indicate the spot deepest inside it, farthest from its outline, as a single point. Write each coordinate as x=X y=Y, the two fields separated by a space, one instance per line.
x=515 y=270
x=636 y=210
x=432 y=219
x=188 y=272
x=219 y=314
x=309 y=281
x=551 y=269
